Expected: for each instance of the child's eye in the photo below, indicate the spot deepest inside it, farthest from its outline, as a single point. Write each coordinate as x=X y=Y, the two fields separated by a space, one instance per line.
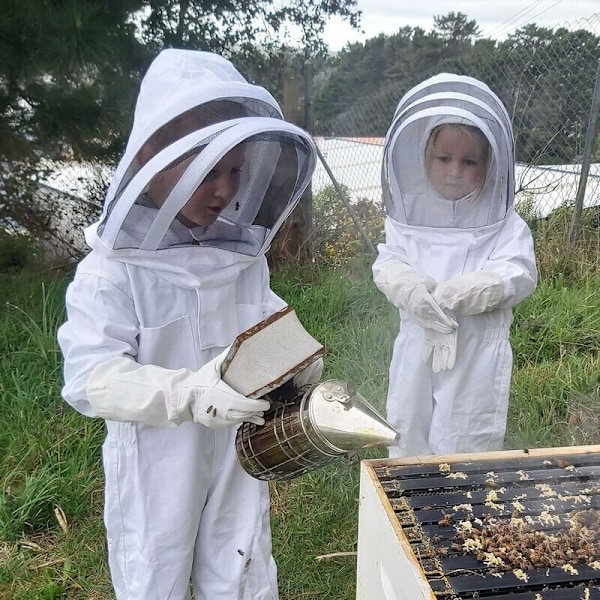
x=471 y=163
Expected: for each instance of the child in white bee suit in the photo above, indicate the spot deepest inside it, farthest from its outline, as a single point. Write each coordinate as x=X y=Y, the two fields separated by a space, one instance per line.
x=177 y=270
x=456 y=259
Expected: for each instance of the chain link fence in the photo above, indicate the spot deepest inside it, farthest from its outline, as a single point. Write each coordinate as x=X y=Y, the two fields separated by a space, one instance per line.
x=548 y=87
x=547 y=83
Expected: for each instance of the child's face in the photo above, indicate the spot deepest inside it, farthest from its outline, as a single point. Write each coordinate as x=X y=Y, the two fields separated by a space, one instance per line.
x=211 y=197
x=457 y=163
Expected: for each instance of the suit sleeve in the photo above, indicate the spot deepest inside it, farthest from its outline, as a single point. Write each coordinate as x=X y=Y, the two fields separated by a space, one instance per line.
x=513 y=259
x=101 y=325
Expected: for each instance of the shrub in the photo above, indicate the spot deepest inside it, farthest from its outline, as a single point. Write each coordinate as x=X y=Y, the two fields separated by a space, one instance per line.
x=16 y=252
x=335 y=236
x=557 y=257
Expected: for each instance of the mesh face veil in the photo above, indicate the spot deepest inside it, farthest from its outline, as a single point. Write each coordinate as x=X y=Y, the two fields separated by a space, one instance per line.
x=211 y=121
x=409 y=196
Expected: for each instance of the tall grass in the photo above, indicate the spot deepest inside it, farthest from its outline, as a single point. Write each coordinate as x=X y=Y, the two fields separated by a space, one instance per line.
x=51 y=535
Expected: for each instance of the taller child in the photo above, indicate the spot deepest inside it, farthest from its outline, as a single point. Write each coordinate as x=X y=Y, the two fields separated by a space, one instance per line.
x=456 y=259
x=177 y=270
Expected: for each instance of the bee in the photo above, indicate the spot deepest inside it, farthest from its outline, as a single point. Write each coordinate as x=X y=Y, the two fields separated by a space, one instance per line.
x=445 y=520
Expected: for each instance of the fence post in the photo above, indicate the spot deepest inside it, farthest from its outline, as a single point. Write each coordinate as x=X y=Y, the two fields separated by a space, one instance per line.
x=291 y=241
x=588 y=148
x=307 y=198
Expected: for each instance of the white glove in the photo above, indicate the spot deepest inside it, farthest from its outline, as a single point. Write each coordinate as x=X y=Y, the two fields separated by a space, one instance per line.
x=309 y=375
x=411 y=292
x=122 y=390
x=471 y=293
x=441 y=348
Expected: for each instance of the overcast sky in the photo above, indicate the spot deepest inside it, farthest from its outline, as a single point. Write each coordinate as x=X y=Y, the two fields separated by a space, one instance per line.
x=496 y=18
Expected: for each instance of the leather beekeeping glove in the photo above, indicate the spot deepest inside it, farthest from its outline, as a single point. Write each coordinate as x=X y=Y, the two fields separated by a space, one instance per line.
x=471 y=293
x=407 y=290
x=309 y=375
x=122 y=390
x=440 y=348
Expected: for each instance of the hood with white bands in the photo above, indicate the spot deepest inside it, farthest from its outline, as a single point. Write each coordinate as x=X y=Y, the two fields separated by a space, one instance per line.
x=278 y=164
x=447 y=99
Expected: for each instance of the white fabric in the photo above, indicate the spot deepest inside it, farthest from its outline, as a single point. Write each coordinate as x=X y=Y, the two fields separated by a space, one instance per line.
x=471 y=293
x=121 y=310
x=176 y=81
x=279 y=157
x=443 y=99
x=212 y=273
x=407 y=290
x=121 y=390
x=482 y=266
x=172 y=507
x=440 y=348
x=143 y=339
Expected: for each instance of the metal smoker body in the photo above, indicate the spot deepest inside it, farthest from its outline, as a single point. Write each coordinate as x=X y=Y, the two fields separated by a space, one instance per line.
x=327 y=421
x=305 y=428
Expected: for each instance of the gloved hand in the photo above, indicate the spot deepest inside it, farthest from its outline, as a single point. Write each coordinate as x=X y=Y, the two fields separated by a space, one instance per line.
x=309 y=375
x=471 y=293
x=211 y=402
x=411 y=292
x=122 y=390
x=441 y=348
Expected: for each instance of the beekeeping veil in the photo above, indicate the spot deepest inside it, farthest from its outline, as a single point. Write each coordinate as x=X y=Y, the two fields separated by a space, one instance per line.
x=196 y=106
x=408 y=196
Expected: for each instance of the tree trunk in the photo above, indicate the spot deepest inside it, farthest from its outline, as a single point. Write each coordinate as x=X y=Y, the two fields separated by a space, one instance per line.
x=292 y=241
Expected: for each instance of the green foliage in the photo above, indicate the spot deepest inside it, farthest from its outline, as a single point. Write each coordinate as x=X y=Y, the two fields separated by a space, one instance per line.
x=16 y=253
x=65 y=76
x=559 y=258
x=305 y=533
x=240 y=27
x=34 y=453
x=557 y=321
x=50 y=455
x=544 y=77
x=69 y=71
x=336 y=237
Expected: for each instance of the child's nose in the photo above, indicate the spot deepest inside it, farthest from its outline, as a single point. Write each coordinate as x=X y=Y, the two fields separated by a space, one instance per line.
x=225 y=188
x=455 y=168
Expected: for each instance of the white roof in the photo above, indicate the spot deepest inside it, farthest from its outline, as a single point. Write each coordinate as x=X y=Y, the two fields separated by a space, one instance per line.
x=356 y=165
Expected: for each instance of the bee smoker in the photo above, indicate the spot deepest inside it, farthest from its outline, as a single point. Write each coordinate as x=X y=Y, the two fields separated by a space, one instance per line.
x=305 y=428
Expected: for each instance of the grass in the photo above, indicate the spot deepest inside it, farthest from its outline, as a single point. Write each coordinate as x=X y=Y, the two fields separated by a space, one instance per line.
x=51 y=533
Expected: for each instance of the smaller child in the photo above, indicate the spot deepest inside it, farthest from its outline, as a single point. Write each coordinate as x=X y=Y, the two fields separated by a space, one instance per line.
x=456 y=160
x=456 y=259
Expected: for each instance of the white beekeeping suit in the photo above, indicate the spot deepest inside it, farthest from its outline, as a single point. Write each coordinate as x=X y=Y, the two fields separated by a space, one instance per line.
x=454 y=268
x=151 y=310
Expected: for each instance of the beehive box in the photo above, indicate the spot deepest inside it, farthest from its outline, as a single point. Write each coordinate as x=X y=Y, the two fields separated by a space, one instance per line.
x=510 y=525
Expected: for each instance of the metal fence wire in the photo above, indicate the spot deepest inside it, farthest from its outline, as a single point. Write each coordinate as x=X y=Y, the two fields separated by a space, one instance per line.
x=548 y=90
